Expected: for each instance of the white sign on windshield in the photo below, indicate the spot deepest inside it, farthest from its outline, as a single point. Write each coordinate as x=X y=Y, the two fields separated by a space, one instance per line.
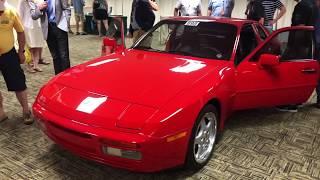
x=192 y=23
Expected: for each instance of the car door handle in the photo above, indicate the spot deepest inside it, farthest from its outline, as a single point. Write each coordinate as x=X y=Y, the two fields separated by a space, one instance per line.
x=308 y=71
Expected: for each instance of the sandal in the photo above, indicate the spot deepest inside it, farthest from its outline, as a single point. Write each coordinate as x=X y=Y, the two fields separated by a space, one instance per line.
x=27 y=118
x=37 y=69
x=30 y=70
x=42 y=61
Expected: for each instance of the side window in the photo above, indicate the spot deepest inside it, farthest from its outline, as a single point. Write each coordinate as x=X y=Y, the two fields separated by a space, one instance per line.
x=289 y=45
x=247 y=43
x=262 y=34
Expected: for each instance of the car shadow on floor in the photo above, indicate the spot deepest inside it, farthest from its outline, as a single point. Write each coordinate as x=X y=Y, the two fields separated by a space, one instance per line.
x=71 y=166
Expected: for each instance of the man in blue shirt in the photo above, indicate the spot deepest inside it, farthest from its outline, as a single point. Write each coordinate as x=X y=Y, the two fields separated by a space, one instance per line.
x=220 y=8
x=54 y=16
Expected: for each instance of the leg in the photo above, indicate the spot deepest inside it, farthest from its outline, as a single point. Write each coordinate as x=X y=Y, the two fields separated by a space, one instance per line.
x=318 y=93
x=106 y=25
x=40 y=54
x=16 y=81
x=137 y=34
x=41 y=60
x=99 y=27
x=53 y=47
x=2 y=114
x=77 y=18
x=22 y=97
x=63 y=48
x=29 y=65
x=36 y=59
x=82 y=21
x=69 y=27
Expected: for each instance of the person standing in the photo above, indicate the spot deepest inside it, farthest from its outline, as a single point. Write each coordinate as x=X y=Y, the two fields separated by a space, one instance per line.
x=10 y=60
x=142 y=17
x=79 y=16
x=33 y=33
x=69 y=24
x=270 y=7
x=220 y=8
x=188 y=8
x=255 y=11
x=304 y=14
x=54 y=16
x=317 y=36
x=100 y=14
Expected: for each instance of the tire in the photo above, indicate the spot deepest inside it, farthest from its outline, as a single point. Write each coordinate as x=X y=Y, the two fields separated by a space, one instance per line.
x=203 y=135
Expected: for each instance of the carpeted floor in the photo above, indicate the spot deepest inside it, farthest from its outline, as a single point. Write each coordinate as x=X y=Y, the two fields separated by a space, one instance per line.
x=256 y=144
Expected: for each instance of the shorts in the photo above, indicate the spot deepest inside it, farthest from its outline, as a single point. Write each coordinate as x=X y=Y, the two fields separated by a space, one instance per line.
x=79 y=17
x=100 y=14
x=12 y=73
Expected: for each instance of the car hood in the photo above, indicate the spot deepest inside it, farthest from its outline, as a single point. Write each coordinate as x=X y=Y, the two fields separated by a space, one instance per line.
x=138 y=77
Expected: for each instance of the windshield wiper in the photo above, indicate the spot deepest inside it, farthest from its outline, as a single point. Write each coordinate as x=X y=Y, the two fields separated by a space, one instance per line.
x=147 y=48
x=185 y=53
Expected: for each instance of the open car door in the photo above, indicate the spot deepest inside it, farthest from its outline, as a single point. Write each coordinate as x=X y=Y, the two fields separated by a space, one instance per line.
x=280 y=71
x=115 y=41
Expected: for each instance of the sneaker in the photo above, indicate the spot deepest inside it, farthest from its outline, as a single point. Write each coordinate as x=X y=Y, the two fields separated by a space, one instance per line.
x=83 y=33
x=27 y=118
x=77 y=33
x=71 y=32
x=288 y=108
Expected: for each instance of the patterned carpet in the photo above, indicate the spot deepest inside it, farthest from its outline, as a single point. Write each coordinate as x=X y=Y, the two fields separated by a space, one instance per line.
x=256 y=144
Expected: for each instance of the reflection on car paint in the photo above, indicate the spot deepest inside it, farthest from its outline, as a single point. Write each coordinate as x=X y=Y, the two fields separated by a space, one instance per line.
x=103 y=62
x=89 y=104
x=188 y=66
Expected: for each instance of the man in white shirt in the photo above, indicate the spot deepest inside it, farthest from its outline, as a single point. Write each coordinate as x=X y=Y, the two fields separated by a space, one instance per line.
x=188 y=8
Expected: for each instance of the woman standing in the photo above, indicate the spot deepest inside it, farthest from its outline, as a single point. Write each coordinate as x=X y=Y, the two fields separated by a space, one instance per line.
x=33 y=33
x=255 y=11
x=100 y=13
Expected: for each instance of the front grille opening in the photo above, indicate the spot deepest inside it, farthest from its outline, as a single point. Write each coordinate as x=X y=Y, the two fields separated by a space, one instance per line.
x=82 y=135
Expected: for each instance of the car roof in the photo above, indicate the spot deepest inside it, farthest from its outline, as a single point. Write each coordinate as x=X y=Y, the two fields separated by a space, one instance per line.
x=233 y=21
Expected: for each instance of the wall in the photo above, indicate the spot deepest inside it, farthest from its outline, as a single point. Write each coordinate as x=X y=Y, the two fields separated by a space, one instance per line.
x=123 y=7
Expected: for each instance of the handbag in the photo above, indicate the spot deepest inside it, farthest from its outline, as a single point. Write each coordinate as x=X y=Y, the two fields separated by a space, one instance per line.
x=27 y=54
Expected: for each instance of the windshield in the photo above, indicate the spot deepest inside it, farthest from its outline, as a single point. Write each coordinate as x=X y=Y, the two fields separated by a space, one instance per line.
x=191 y=38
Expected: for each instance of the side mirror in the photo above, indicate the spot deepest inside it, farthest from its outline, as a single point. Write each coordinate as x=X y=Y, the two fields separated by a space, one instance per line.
x=269 y=60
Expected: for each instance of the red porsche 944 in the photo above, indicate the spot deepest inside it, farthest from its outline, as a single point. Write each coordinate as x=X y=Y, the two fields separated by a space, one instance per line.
x=162 y=102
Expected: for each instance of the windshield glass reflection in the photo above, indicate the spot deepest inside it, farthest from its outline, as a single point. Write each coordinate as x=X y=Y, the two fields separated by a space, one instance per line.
x=195 y=38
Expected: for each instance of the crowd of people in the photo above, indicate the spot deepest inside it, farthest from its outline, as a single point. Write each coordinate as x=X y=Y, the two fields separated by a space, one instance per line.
x=37 y=22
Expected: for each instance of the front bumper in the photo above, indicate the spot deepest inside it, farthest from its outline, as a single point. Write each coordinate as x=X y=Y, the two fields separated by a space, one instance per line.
x=85 y=141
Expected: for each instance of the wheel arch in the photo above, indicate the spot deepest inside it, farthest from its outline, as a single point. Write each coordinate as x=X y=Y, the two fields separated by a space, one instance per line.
x=218 y=105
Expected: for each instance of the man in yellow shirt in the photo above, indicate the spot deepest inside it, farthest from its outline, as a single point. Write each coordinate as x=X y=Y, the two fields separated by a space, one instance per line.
x=10 y=60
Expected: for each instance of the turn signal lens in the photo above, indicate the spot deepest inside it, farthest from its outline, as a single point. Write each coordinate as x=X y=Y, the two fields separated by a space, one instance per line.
x=176 y=136
x=129 y=154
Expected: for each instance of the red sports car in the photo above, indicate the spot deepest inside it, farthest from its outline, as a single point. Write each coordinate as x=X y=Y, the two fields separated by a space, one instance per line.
x=162 y=102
